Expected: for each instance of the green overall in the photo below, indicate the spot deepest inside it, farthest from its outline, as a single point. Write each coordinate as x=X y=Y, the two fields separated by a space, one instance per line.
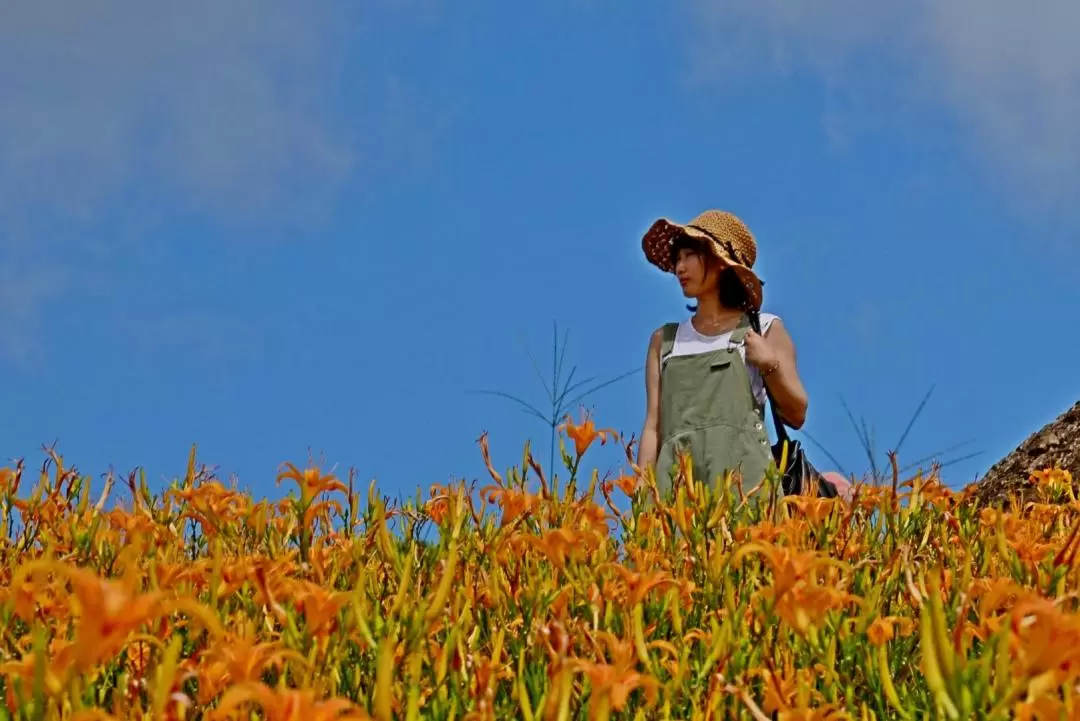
x=707 y=407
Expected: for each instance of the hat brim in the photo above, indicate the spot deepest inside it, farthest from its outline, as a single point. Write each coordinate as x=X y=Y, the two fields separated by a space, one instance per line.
x=658 y=240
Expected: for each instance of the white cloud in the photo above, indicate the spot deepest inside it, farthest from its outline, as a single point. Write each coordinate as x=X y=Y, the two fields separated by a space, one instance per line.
x=1007 y=71
x=119 y=117
x=223 y=106
x=208 y=339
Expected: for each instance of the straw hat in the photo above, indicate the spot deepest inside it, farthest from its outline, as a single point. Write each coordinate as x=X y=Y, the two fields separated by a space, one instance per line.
x=727 y=236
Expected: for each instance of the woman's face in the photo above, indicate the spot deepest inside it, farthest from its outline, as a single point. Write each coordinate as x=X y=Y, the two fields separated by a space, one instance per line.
x=695 y=275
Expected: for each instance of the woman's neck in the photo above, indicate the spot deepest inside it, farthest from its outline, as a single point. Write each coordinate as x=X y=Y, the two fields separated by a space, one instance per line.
x=712 y=317
x=711 y=310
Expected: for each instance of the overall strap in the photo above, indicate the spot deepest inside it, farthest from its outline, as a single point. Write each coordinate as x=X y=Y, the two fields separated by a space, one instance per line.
x=740 y=331
x=668 y=339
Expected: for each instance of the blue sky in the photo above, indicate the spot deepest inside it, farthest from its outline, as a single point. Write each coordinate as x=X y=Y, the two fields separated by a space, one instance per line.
x=279 y=228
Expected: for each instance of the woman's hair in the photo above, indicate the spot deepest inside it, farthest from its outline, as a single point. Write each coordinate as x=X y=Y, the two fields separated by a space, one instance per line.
x=733 y=293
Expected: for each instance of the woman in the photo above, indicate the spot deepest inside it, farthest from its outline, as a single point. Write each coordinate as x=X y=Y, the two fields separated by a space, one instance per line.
x=706 y=377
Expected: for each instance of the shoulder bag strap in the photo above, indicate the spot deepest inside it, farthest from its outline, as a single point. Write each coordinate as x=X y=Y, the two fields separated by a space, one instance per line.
x=781 y=430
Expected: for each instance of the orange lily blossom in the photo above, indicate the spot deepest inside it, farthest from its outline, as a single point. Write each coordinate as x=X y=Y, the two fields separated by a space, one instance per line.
x=594 y=517
x=788 y=566
x=438 y=507
x=244 y=658
x=312 y=482
x=815 y=509
x=102 y=615
x=1049 y=640
x=561 y=543
x=110 y=610
x=627 y=483
x=287 y=705
x=321 y=512
x=638 y=585
x=585 y=433
x=514 y=503
x=7 y=480
x=612 y=682
x=320 y=608
x=884 y=628
x=57 y=668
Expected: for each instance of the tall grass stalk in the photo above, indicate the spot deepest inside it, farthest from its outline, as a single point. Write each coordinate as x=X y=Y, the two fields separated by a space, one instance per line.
x=879 y=469
x=563 y=391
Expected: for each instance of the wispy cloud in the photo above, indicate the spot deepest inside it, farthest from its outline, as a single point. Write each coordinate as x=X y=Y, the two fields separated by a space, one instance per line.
x=220 y=105
x=1008 y=72
x=207 y=339
x=120 y=118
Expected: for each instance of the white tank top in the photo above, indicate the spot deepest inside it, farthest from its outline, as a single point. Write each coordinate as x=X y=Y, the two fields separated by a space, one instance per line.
x=689 y=342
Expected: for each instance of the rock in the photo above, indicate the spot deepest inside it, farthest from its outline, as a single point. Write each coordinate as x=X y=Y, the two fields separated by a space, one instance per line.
x=1055 y=445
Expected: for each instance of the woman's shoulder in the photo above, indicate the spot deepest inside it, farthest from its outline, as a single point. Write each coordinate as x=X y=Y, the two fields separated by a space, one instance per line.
x=665 y=332
x=668 y=327
x=767 y=319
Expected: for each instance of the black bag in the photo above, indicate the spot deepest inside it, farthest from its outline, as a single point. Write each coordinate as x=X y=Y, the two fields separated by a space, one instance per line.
x=800 y=472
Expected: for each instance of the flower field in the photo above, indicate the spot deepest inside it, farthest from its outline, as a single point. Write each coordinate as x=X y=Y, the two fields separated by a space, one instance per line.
x=533 y=596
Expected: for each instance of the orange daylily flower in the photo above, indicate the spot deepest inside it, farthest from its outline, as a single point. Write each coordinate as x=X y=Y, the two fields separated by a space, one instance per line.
x=595 y=517
x=611 y=683
x=46 y=512
x=627 y=483
x=795 y=591
x=92 y=599
x=133 y=525
x=884 y=628
x=814 y=509
x=561 y=543
x=638 y=585
x=585 y=433
x=320 y=608
x=170 y=575
x=790 y=695
x=257 y=519
x=1044 y=708
x=1048 y=640
x=108 y=612
x=764 y=532
x=806 y=605
x=240 y=657
x=514 y=503
x=287 y=705
x=7 y=480
x=438 y=506
x=1053 y=479
x=312 y=482
x=320 y=512
x=27 y=597
x=788 y=566
x=61 y=656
